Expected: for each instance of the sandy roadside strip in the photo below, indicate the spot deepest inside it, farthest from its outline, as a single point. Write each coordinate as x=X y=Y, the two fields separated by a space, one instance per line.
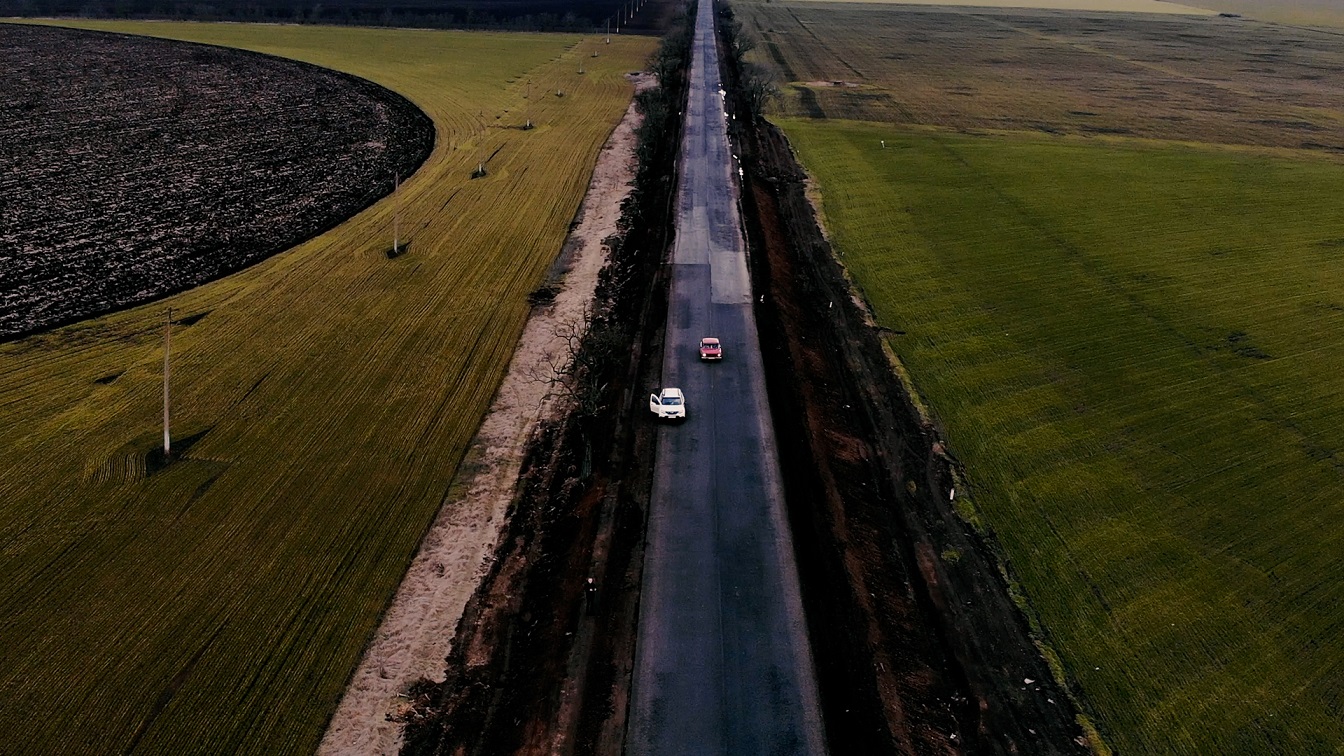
x=416 y=634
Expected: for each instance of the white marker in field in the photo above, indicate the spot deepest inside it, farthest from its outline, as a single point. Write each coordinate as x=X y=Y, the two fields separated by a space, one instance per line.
x=528 y=124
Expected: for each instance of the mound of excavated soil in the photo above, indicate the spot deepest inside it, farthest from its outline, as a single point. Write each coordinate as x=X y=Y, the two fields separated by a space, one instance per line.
x=137 y=167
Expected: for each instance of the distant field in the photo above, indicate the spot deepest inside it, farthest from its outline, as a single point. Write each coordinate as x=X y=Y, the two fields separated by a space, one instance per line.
x=322 y=400
x=1114 y=246
x=1311 y=12
x=1109 y=6
x=1308 y=12
x=1161 y=77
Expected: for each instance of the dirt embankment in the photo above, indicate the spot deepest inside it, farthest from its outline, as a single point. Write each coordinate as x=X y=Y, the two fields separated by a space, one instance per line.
x=919 y=648
x=542 y=657
x=417 y=632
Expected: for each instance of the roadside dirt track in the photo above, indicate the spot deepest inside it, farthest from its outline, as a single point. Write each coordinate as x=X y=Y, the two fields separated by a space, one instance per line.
x=417 y=631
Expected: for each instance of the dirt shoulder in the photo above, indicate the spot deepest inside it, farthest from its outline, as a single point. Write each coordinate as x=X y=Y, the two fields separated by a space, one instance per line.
x=918 y=644
x=418 y=630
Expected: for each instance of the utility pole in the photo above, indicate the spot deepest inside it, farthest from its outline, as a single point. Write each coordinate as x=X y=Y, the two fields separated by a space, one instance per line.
x=528 y=124
x=167 y=345
x=396 y=214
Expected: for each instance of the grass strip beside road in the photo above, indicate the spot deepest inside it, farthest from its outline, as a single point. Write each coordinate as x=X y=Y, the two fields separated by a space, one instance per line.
x=219 y=604
x=1132 y=348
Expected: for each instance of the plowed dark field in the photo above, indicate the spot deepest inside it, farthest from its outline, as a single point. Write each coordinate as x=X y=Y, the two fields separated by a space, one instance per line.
x=132 y=167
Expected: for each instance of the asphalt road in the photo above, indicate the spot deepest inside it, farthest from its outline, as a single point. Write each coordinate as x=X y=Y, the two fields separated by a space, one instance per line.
x=722 y=662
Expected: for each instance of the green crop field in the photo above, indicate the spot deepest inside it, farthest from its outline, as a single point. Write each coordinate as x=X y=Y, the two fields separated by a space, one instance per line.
x=1128 y=330
x=1133 y=352
x=219 y=604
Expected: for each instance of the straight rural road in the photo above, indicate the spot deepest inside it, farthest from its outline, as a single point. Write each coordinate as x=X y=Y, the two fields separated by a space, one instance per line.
x=722 y=662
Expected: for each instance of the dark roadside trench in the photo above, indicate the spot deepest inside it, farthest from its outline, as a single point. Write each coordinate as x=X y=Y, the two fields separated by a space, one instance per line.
x=918 y=646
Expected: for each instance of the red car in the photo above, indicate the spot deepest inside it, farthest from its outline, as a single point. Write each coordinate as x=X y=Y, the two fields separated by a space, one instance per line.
x=710 y=349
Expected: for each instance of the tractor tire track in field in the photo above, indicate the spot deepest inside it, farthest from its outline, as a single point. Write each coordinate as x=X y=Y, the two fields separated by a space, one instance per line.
x=822 y=44
x=136 y=167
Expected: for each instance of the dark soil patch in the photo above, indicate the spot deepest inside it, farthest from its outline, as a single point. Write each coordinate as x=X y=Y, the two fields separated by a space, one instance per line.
x=542 y=295
x=192 y=320
x=155 y=460
x=139 y=167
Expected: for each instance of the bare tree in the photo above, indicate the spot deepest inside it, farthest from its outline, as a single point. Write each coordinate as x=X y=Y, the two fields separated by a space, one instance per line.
x=575 y=373
x=758 y=87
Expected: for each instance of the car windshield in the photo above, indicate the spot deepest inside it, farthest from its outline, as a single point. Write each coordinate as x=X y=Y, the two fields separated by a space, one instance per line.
x=671 y=400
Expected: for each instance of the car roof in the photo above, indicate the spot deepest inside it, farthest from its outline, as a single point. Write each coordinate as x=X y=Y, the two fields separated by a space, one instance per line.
x=672 y=392
x=709 y=340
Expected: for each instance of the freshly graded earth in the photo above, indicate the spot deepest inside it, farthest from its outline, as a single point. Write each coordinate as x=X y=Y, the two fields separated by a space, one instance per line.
x=137 y=167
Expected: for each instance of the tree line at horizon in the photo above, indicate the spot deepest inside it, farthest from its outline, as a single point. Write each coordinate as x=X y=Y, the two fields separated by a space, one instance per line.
x=522 y=15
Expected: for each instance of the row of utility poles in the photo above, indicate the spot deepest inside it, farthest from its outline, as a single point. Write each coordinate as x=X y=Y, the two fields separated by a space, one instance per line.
x=623 y=16
x=627 y=11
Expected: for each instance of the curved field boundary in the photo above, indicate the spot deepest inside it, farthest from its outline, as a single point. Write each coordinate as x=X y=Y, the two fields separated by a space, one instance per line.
x=139 y=167
x=322 y=401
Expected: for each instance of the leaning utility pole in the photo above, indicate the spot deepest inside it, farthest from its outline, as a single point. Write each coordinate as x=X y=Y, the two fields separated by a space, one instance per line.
x=396 y=215
x=167 y=345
